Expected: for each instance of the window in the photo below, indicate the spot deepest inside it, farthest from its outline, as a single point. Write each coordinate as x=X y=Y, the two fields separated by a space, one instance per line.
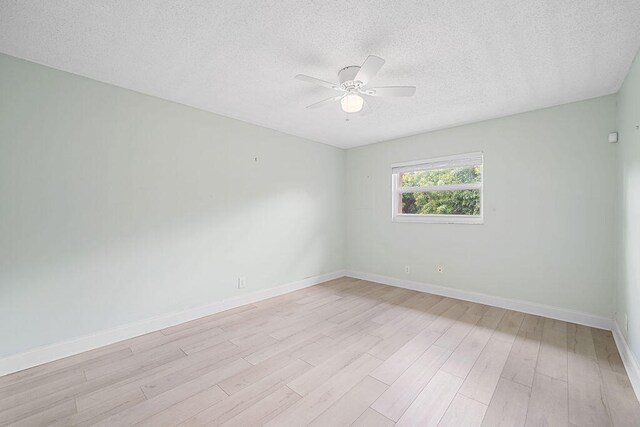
x=439 y=190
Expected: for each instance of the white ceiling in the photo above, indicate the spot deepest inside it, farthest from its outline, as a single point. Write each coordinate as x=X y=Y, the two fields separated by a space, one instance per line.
x=471 y=60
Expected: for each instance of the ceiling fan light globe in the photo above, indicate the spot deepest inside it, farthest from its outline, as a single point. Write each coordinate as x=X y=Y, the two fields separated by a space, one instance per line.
x=352 y=103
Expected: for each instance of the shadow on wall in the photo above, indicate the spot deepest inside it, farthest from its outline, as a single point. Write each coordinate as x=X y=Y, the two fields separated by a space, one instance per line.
x=195 y=258
x=118 y=206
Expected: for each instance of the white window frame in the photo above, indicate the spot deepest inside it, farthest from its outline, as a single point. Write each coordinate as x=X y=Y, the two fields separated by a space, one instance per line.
x=458 y=160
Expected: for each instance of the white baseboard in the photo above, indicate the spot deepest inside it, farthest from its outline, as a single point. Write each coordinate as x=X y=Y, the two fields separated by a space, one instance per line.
x=40 y=355
x=630 y=362
x=511 y=304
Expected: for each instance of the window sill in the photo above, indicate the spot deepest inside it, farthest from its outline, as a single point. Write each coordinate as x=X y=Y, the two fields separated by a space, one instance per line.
x=439 y=219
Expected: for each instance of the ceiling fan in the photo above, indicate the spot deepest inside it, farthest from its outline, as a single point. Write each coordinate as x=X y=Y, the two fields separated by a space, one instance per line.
x=353 y=83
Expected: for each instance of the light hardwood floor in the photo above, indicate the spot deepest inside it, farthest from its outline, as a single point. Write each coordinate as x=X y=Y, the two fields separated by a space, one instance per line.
x=347 y=352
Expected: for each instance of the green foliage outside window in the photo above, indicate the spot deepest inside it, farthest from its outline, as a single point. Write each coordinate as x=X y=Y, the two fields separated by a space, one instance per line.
x=456 y=202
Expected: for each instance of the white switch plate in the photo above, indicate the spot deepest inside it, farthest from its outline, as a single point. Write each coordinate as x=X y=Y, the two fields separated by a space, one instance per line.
x=242 y=282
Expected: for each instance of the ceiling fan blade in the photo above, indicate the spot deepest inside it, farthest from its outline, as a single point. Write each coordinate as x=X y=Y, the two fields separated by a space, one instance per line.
x=325 y=102
x=315 y=81
x=369 y=68
x=391 y=91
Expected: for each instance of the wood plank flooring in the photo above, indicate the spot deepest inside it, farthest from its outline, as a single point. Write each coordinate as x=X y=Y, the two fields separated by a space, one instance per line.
x=347 y=352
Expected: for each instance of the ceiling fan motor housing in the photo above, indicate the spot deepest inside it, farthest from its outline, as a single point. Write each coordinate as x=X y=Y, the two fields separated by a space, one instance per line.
x=346 y=77
x=353 y=81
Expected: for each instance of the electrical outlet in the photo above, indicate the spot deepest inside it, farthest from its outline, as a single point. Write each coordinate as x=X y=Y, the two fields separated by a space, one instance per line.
x=407 y=269
x=242 y=282
x=440 y=269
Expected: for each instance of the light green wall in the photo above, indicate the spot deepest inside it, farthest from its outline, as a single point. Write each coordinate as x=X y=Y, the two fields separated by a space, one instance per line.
x=628 y=289
x=548 y=232
x=116 y=206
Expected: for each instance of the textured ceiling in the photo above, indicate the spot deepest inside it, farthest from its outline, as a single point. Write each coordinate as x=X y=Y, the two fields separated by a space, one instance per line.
x=471 y=60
